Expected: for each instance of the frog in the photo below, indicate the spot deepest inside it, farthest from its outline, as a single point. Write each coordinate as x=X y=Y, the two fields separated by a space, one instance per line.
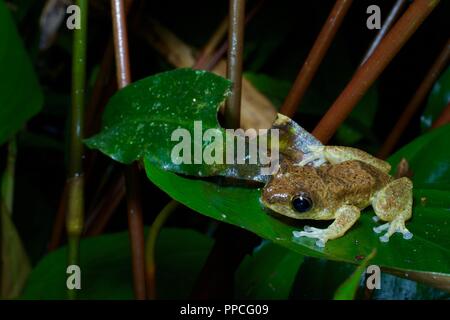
x=337 y=183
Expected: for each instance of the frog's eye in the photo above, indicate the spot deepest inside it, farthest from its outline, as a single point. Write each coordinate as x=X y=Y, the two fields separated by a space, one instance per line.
x=302 y=202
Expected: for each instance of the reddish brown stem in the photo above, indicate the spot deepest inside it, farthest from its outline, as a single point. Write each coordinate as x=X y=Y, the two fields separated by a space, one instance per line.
x=234 y=62
x=315 y=57
x=209 y=59
x=443 y=118
x=372 y=68
x=392 y=16
x=211 y=45
x=135 y=223
x=101 y=214
x=415 y=102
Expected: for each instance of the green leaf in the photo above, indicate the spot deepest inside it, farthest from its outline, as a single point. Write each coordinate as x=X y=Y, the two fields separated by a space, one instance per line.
x=429 y=159
x=319 y=278
x=425 y=252
x=143 y=120
x=268 y=273
x=20 y=93
x=15 y=262
x=437 y=100
x=348 y=289
x=106 y=267
x=139 y=120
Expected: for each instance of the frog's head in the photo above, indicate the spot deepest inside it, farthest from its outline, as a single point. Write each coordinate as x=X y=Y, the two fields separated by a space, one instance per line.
x=296 y=192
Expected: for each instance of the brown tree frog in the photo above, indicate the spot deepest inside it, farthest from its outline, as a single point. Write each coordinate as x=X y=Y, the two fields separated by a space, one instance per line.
x=336 y=183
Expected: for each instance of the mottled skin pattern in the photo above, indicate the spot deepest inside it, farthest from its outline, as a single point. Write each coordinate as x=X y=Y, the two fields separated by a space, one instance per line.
x=347 y=181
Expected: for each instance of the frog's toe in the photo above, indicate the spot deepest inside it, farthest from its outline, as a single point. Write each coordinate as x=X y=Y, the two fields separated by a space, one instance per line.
x=315 y=157
x=315 y=233
x=407 y=235
x=321 y=243
x=393 y=227
x=309 y=229
x=381 y=228
x=308 y=158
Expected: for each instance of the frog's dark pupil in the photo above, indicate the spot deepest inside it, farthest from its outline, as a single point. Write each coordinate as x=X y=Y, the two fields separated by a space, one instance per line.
x=302 y=203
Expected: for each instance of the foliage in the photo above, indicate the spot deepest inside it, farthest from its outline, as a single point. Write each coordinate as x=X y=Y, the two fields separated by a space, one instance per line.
x=17 y=78
x=437 y=100
x=106 y=267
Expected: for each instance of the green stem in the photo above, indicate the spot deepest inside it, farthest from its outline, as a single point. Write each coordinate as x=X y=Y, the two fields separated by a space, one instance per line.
x=150 y=246
x=75 y=181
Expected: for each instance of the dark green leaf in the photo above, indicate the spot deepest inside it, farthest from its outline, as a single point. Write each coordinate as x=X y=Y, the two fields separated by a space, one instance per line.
x=241 y=207
x=348 y=289
x=106 y=267
x=20 y=94
x=319 y=278
x=437 y=100
x=268 y=273
x=139 y=120
x=429 y=159
x=15 y=262
x=140 y=123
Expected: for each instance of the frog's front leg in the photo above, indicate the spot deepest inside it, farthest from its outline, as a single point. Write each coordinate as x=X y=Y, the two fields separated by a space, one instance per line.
x=346 y=216
x=393 y=204
x=337 y=154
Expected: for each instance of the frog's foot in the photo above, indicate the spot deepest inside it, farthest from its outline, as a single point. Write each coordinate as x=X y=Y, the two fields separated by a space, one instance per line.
x=315 y=156
x=310 y=232
x=396 y=225
x=393 y=203
x=346 y=216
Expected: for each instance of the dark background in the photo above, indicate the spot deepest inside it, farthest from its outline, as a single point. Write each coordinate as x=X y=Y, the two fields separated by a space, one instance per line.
x=277 y=41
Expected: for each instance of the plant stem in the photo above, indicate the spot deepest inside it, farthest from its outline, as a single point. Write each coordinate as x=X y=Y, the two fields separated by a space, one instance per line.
x=151 y=245
x=415 y=102
x=436 y=280
x=367 y=73
x=443 y=118
x=7 y=183
x=211 y=45
x=234 y=62
x=392 y=16
x=58 y=223
x=315 y=57
x=102 y=212
x=75 y=179
x=211 y=62
x=135 y=222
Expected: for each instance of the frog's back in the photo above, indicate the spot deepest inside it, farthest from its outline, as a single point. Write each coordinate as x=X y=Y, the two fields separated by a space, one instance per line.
x=353 y=182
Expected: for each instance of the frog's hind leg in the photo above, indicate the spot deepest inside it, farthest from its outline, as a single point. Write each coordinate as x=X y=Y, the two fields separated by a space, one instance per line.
x=346 y=216
x=339 y=154
x=393 y=204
